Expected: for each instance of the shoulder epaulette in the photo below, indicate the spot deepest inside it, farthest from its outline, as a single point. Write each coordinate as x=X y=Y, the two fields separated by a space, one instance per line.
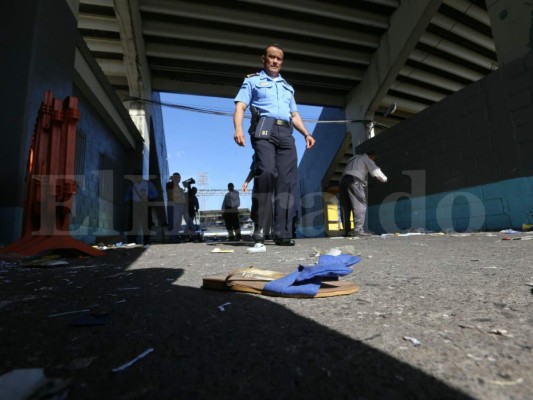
x=250 y=75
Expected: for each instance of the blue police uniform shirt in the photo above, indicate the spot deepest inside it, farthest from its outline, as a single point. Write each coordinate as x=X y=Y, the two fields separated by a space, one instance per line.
x=272 y=97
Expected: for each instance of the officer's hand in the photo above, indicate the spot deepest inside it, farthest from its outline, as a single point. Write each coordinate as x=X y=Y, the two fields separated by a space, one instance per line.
x=309 y=141
x=239 y=137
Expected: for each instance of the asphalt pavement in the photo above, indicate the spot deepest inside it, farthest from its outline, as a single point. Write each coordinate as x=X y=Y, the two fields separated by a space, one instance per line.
x=436 y=317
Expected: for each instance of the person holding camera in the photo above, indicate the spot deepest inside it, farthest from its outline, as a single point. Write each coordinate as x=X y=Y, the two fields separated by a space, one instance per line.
x=177 y=203
x=274 y=115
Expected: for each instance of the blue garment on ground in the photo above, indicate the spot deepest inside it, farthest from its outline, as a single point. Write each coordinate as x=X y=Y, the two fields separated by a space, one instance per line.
x=306 y=280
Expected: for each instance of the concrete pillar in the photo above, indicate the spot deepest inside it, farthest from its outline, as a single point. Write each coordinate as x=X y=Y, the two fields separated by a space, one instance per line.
x=137 y=70
x=512 y=28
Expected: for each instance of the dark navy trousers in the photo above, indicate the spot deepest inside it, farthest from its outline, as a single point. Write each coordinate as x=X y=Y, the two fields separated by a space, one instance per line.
x=276 y=172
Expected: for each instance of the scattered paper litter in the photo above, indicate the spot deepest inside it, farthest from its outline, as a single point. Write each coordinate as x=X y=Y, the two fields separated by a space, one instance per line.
x=501 y=332
x=334 y=252
x=67 y=313
x=507 y=383
x=258 y=248
x=219 y=250
x=413 y=340
x=130 y=363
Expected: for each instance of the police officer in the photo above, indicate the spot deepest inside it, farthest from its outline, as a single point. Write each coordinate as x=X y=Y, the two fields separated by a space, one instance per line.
x=274 y=114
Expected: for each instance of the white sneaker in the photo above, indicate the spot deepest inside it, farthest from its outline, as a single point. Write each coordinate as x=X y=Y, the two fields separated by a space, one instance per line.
x=258 y=248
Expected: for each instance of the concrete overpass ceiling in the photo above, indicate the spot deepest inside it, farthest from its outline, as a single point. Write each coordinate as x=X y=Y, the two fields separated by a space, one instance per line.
x=207 y=47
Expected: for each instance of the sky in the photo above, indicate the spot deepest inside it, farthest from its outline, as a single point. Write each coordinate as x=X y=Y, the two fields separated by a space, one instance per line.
x=202 y=144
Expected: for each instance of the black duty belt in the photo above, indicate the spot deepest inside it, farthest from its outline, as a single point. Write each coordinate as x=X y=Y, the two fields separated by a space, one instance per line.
x=282 y=122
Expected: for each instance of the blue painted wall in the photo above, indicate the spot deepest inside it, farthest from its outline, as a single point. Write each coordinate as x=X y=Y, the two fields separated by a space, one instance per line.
x=313 y=166
x=465 y=163
x=495 y=206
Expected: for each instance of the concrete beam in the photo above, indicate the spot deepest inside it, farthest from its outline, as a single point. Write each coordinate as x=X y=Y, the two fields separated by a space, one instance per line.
x=292 y=48
x=512 y=28
x=253 y=61
x=137 y=70
x=90 y=85
x=329 y=10
x=272 y=24
x=408 y=24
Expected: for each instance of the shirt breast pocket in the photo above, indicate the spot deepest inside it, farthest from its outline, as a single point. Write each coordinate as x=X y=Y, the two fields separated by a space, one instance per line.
x=288 y=93
x=263 y=89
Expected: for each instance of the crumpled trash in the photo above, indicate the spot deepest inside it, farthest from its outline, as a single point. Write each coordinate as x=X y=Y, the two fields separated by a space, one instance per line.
x=258 y=248
x=335 y=251
x=31 y=383
x=413 y=340
x=219 y=250
x=509 y=231
x=130 y=363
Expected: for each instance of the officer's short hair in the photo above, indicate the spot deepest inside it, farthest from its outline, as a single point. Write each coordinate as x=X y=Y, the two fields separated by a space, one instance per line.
x=272 y=45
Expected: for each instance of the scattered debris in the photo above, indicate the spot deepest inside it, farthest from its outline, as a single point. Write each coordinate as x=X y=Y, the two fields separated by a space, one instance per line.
x=45 y=262
x=507 y=383
x=258 y=248
x=67 y=313
x=509 y=231
x=413 y=340
x=118 y=274
x=8 y=264
x=219 y=250
x=221 y=307
x=501 y=332
x=334 y=252
x=130 y=363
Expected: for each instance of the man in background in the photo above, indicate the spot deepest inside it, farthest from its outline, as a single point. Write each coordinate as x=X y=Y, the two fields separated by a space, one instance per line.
x=230 y=213
x=138 y=195
x=352 y=191
x=177 y=203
